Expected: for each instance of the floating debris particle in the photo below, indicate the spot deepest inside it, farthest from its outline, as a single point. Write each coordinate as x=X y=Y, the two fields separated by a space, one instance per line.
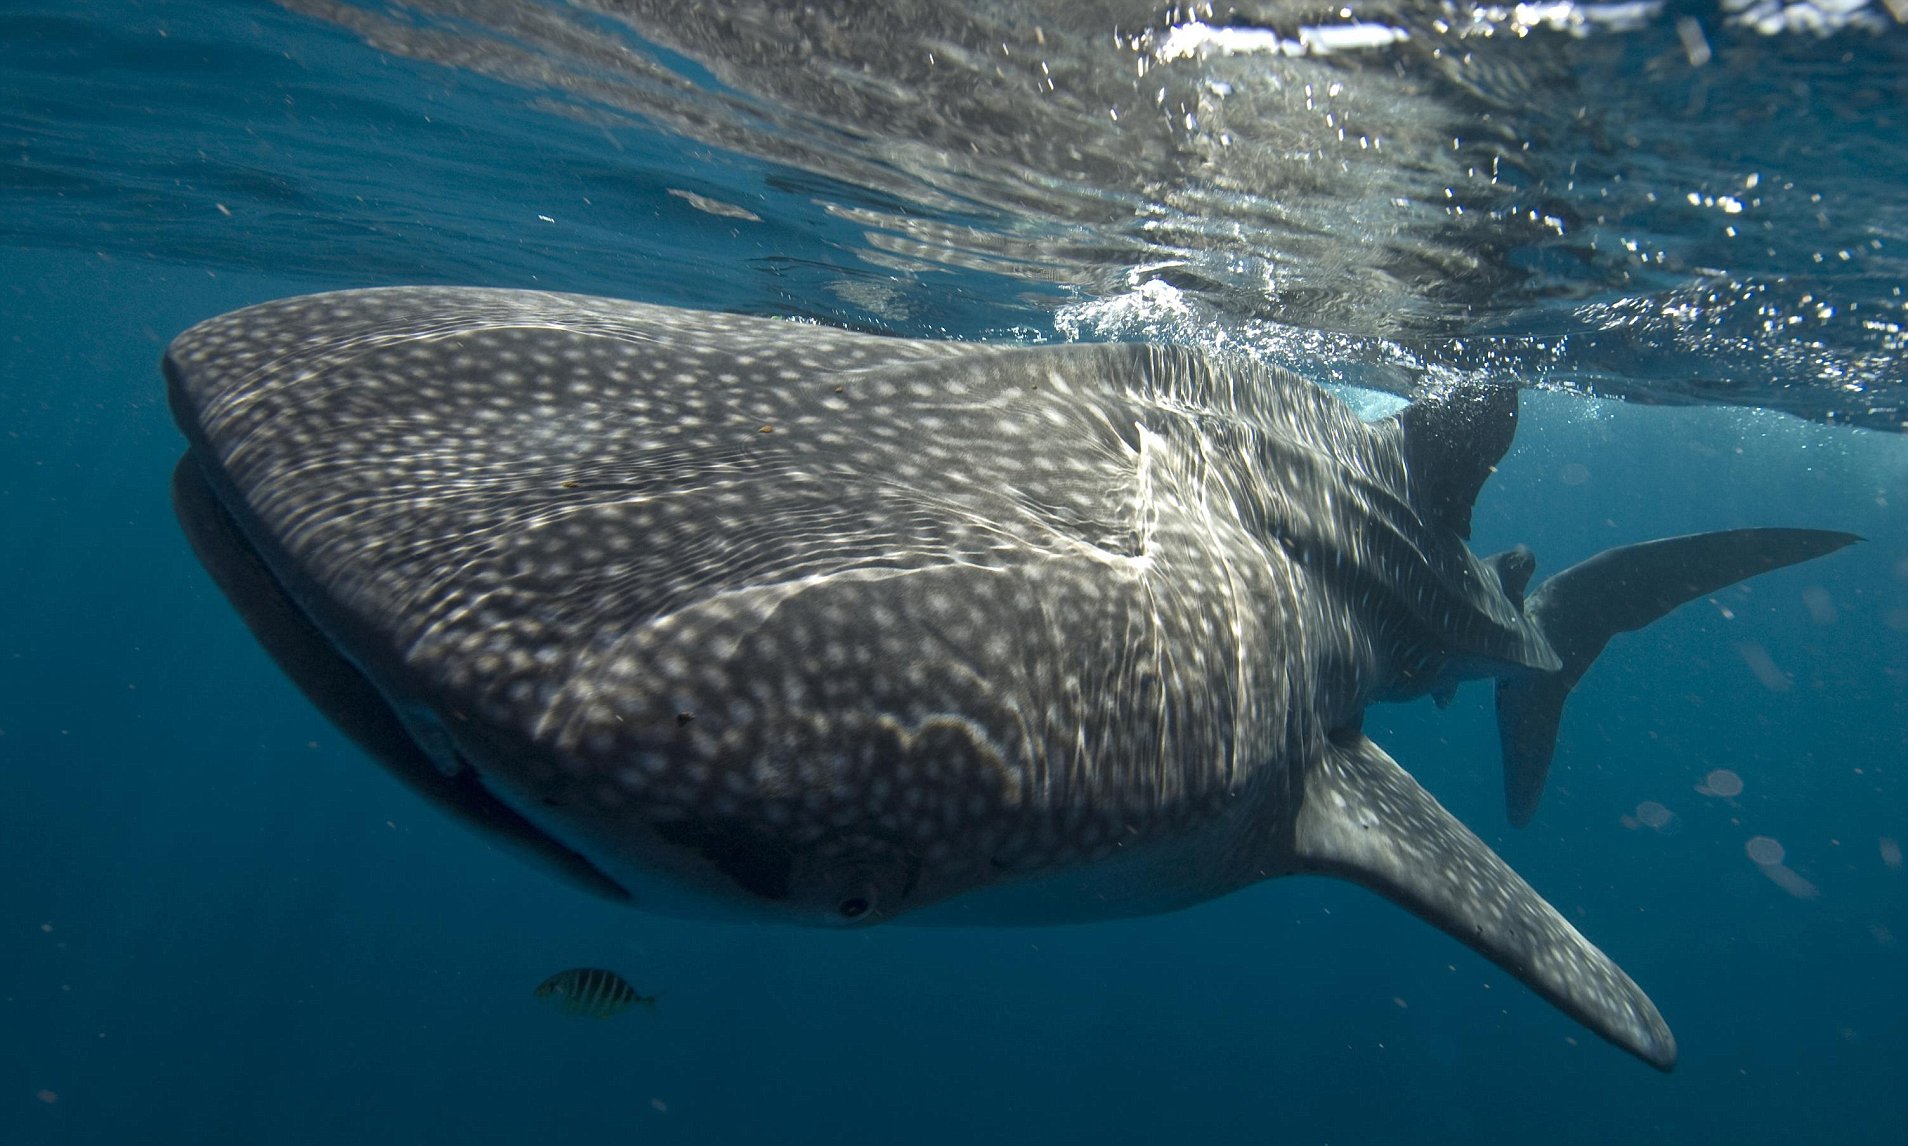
x=878 y=299
x=1786 y=879
x=716 y=207
x=1764 y=666
x=1695 y=45
x=1769 y=854
x=1722 y=782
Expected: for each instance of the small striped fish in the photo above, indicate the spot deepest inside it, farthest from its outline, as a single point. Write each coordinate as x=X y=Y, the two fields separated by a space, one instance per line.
x=591 y=992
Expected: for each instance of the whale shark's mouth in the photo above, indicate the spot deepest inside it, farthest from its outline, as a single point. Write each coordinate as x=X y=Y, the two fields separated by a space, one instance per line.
x=342 y=692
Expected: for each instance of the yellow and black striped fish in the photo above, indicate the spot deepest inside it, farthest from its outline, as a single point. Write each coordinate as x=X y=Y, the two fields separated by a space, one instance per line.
x=591 y=992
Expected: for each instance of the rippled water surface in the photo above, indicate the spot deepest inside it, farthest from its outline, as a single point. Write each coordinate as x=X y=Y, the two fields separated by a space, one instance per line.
x=220 y=923
x=1674 y=203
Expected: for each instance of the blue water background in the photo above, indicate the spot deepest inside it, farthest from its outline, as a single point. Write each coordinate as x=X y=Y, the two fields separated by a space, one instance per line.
x=219 y=923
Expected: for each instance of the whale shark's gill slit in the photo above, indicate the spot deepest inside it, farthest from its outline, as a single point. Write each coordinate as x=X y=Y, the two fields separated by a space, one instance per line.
x=757 y=864
x=431 y=737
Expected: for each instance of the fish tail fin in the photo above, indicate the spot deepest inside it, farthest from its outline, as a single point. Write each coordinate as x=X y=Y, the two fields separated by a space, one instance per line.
x=1617 y=591
x=1365 y=820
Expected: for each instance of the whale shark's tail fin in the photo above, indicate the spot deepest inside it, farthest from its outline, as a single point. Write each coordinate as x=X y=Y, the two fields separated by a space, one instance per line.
x=1364 y=819
x=1617 y=591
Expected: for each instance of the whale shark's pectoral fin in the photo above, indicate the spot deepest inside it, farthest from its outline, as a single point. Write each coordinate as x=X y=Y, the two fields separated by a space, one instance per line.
x=1618 y=591
x=1364 y=819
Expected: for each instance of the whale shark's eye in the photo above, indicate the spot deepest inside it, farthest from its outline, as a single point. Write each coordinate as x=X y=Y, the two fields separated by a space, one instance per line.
x=854 y=907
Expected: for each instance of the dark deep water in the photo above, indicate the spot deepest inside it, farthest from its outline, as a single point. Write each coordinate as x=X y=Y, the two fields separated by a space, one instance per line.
x=220 y=923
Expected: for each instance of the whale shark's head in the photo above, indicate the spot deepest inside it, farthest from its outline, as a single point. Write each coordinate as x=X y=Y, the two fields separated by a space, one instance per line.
x=615 y=582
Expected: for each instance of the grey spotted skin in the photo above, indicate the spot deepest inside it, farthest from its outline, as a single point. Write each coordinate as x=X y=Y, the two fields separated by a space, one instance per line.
x=736 y=612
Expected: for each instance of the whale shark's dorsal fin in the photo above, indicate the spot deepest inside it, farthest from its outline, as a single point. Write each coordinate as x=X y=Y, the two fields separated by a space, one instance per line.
x=1453 y=440
x=1364 y=819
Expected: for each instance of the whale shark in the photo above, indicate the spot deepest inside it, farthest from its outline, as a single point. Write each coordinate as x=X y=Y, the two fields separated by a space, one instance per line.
x=730 y=613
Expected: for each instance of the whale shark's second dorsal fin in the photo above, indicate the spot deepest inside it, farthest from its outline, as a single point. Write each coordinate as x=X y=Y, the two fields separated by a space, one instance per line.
x=1453 y=440
x=1513 y=568
x=1363 y=819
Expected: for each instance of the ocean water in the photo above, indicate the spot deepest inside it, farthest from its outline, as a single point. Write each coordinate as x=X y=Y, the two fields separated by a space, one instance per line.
x=221 y=923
